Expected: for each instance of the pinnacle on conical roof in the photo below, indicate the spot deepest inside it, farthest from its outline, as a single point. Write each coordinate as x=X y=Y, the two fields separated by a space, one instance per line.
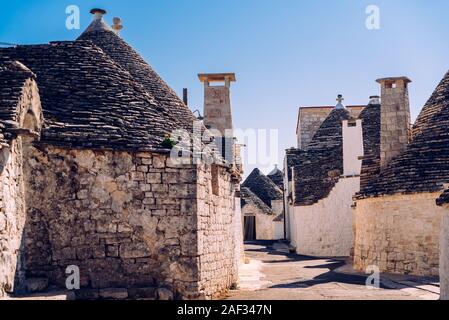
x=98 y=22
x=169 y=104
x=263 y=187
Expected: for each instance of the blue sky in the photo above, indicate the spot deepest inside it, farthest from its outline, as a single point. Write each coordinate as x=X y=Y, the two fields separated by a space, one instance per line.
x=286 y=53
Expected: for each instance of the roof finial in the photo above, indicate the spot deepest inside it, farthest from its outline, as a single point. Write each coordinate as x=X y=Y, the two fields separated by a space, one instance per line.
x=374 y=100
x=117 y=26
x=99 y=13
x=340 y=100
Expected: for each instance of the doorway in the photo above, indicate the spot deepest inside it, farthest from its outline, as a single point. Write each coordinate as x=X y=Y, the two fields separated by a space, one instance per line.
x=250 y=228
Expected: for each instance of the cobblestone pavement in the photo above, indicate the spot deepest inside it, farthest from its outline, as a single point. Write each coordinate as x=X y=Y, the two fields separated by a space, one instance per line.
x=274 y=274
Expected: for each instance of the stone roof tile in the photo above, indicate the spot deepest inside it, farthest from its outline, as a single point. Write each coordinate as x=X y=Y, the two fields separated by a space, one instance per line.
x=13 y=76
x=424 y=166
x=318 y=169
x=168 y=103
x=263 y=187
x=249 y=198
x=89 y=101
x=277 y=176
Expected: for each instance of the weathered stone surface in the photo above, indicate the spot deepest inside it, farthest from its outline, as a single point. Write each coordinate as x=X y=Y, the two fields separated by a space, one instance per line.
x=100 y=191
x=120 y=236
x=311 y=118
x=20 y=109
x=164 y=294
x=34 y=285
x=398 y=234
x=113 y=294
x=444 y=255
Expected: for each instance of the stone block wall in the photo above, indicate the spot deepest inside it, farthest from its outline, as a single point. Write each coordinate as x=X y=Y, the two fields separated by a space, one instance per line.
x=444 y=255
x=217 y=108
x=399 y=234
x=325 y=229
x=12 y=216
x=217 y=244
x=311 y=118
x=127 y=220
x=395 y=118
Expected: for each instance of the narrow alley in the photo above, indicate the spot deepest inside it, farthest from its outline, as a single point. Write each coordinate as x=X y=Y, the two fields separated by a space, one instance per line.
x=275 y=274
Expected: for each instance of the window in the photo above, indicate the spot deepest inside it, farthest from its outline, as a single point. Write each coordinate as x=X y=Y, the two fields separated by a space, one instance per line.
x=215 y=180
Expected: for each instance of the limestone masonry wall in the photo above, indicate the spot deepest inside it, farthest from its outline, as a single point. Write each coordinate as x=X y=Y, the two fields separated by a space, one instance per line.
x=398 y=233
x=325 y=229
x=444 y=255
x=12 y=215
x=218 y=269
x=127 y=220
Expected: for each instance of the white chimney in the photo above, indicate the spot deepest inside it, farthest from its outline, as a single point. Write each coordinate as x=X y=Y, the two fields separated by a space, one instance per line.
x=117 y=26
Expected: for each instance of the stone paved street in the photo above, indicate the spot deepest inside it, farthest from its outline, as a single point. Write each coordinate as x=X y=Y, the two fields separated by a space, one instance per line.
x=274 y=274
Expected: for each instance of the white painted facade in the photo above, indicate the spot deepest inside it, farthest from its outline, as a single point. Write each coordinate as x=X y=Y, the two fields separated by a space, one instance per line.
x=238 y=233
x=325 y=229
x=266 y=227
x=444 y=255
x=352 y=147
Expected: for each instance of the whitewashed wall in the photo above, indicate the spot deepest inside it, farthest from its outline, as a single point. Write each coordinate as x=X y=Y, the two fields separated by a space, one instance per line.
x=326 y=228
x=352 y=148
x=444 y=255
x=238 y=233
x=278 y=230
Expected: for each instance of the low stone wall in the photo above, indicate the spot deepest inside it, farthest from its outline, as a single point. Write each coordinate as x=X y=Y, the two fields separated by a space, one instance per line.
x=398 y=234
x=325 y=229
x=127 y=220
x=12 y=216
x=444 y=255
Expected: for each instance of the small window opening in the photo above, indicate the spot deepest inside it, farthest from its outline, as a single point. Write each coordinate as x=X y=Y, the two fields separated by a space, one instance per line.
x=215 y=181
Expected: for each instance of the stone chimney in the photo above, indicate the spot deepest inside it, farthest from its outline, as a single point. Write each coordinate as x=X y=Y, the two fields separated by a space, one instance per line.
x=395 y=117
x=217 y=101
x=217 y=109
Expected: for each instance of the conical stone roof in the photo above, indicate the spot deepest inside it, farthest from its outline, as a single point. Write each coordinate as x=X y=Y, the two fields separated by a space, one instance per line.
x=249 y=198
x=318 y=169
x=277 y=176
x=262 y=187
x=424 y=166
x=88 y=100
x=168 y=103
x=97 y=92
